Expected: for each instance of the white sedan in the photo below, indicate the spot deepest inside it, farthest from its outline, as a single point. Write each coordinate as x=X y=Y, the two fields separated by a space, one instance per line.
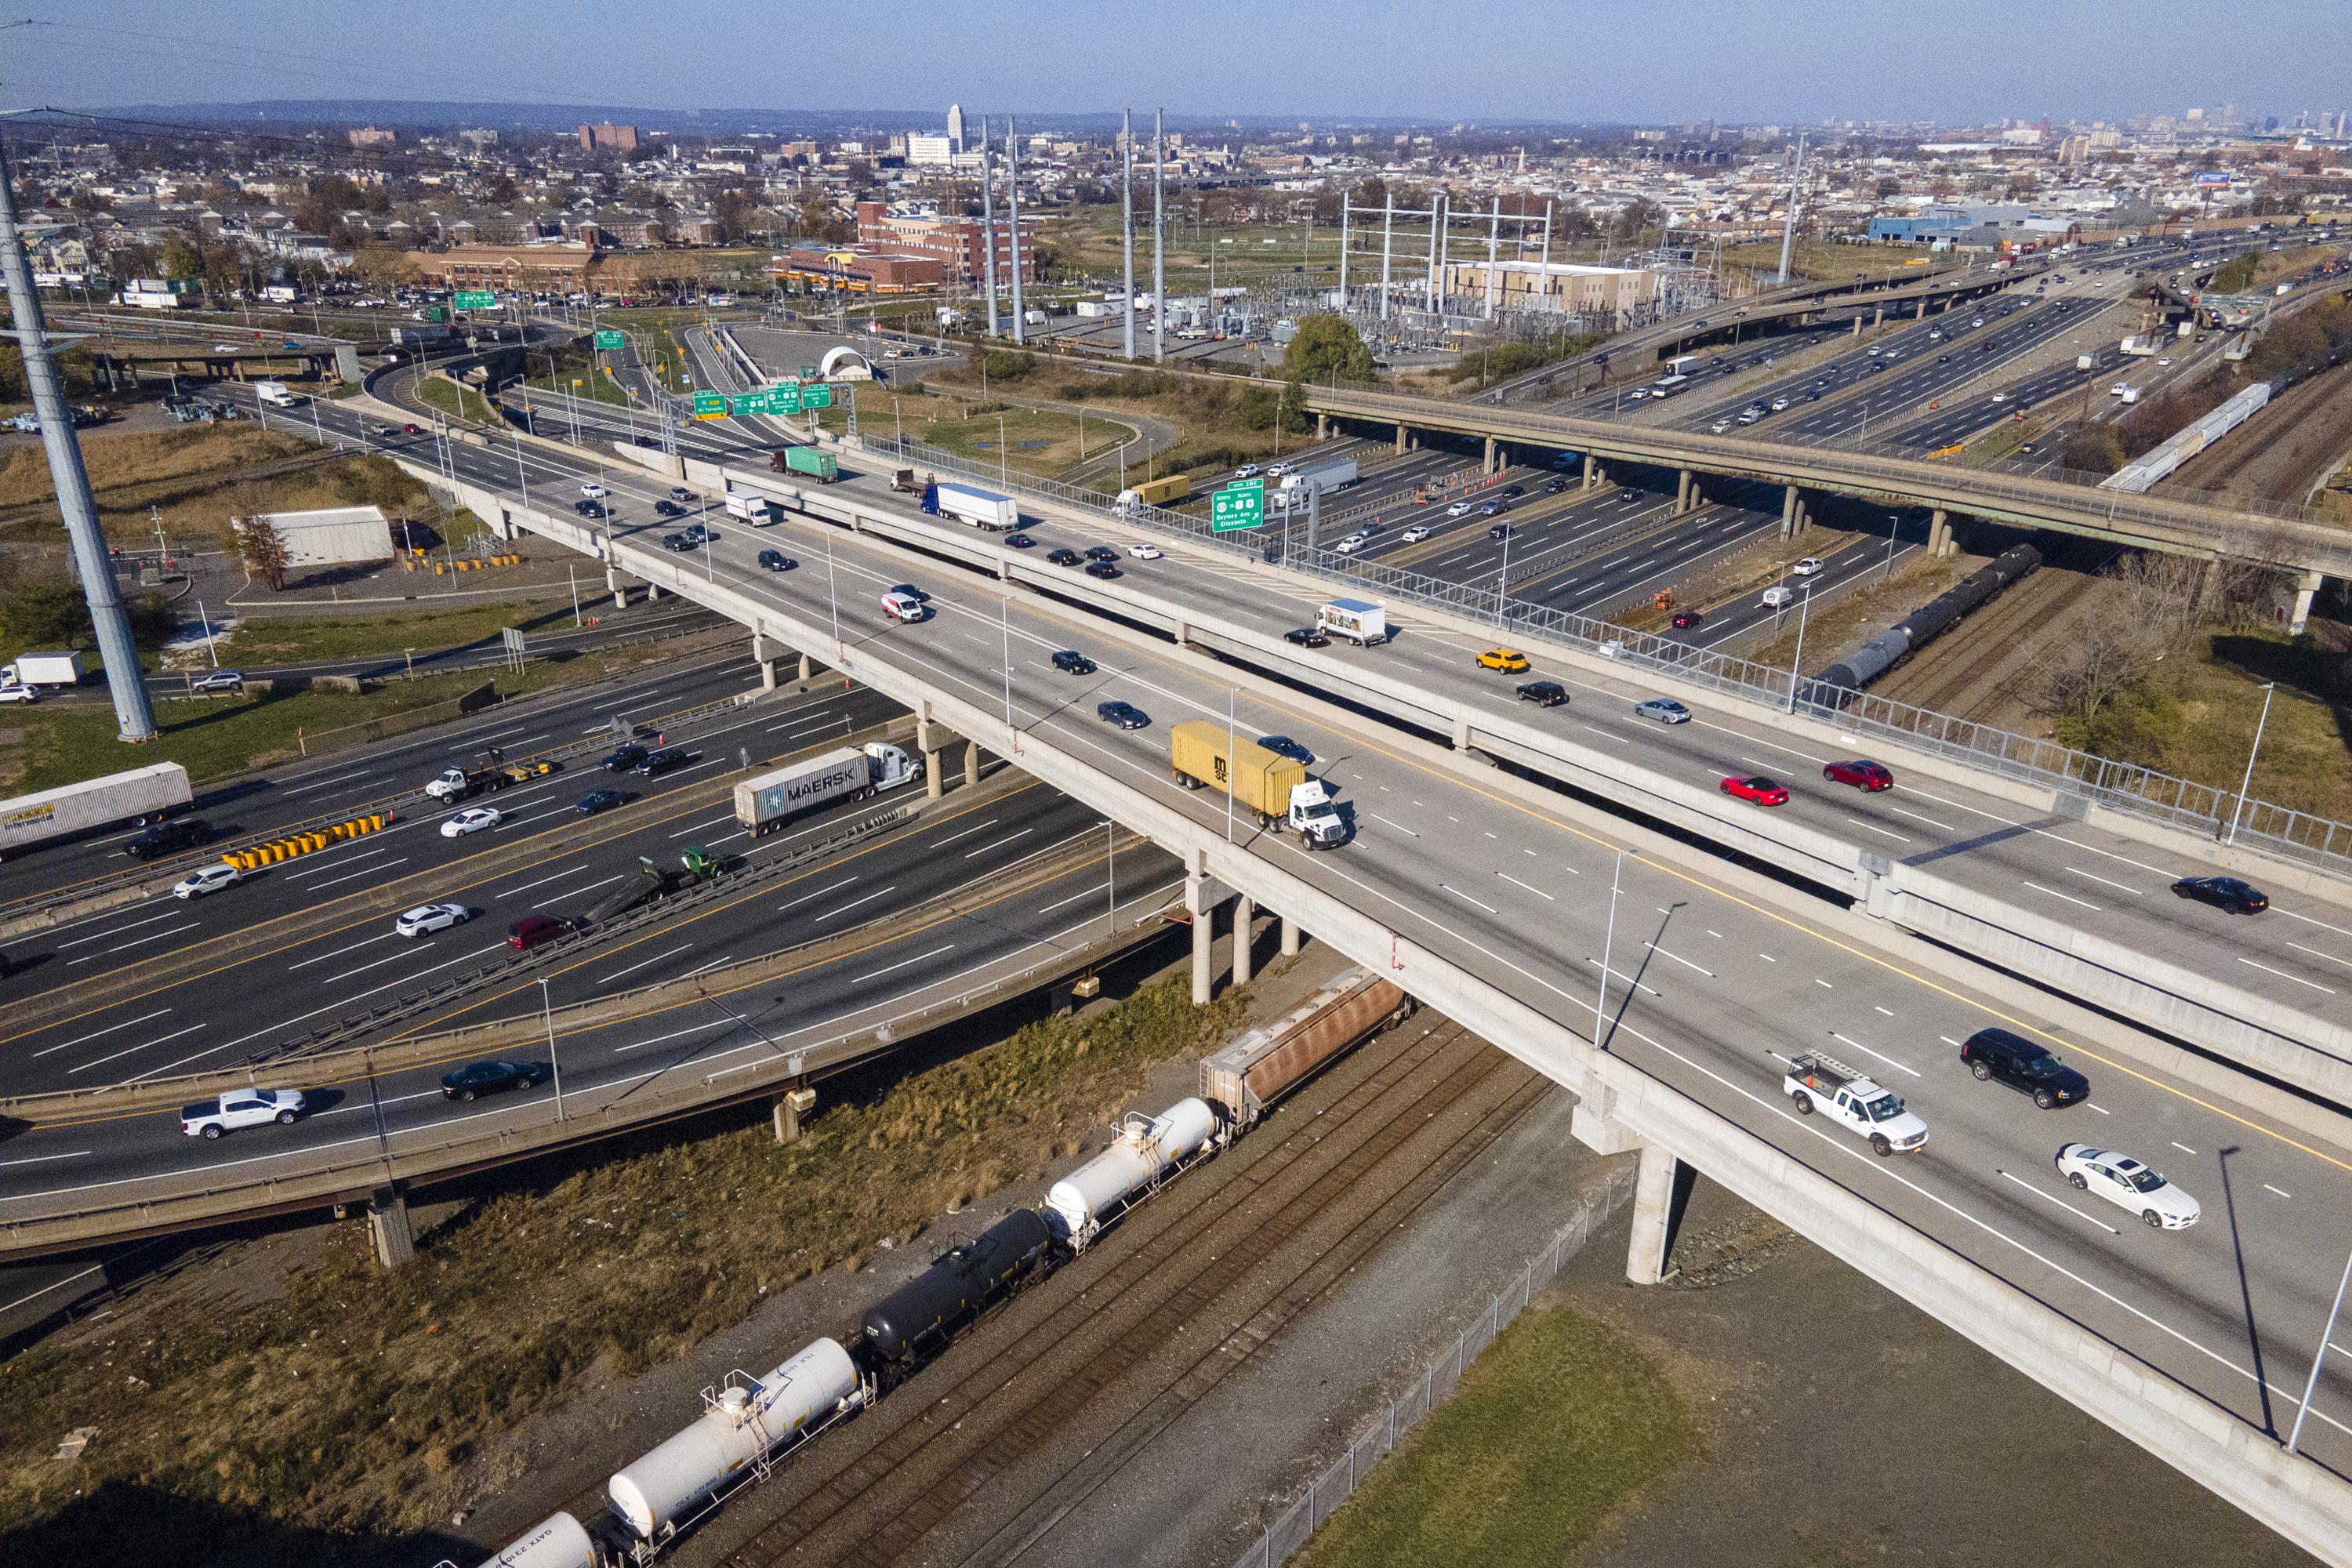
x=1144 y=552
x=1415 y=534
x=594 y=492
x=1459 y=509
x=425 y=918
x=2124 y=1181
x=473 y=819
x=1807 y=567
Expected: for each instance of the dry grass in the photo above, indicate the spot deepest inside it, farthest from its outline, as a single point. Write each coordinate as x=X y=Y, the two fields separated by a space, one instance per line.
x=196 y=479
x=352 y=1399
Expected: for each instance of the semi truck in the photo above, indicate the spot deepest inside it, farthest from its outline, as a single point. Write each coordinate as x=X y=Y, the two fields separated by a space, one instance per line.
x=1155 y=492
x=2138 y=346
x=820 y=466
x=1272 y=787
x=43 y=670
x=1358 y=621
x=970 y=504
x=1818 y=1082
x=136 y=798
x=1317 y=479
x=757 y=510
x=766 y=803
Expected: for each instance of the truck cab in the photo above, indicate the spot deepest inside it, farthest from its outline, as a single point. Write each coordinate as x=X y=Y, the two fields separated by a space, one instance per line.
x=1314 y=816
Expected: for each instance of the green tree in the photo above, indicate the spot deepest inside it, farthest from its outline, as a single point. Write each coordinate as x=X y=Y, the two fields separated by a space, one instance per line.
x=1324 y=347
x=179 y=257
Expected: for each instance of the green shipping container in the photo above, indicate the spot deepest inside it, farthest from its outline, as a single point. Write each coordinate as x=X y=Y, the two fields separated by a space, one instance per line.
x=818 y=465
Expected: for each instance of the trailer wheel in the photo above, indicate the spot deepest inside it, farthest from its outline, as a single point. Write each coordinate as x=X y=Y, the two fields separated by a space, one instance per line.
x=1804 y=1104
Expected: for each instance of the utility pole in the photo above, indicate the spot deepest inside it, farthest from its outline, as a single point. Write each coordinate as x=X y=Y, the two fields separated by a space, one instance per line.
x=1012 y=196
x=134 y=720
x=1387 y=226
x=987 y=216
x=1788 y=220
x=1126 y=227
x=1159 y=235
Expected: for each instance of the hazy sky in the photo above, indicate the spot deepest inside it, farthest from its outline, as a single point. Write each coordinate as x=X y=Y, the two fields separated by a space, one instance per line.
x=1737 y=60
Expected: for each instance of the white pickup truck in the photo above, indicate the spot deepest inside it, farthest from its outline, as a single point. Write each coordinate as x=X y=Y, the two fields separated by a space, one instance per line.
x=241 y=1108
x=1816 y=1082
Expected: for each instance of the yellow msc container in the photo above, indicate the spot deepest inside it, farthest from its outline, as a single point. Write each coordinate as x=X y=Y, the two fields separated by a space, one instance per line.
x=1164 y=492
x=1261 y=780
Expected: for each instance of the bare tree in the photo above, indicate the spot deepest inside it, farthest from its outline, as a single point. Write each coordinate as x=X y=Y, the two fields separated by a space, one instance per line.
x=263 y=549
x=2149 y=612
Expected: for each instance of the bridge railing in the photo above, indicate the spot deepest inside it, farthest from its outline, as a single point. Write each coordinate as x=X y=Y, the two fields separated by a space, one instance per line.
x=2142 y=791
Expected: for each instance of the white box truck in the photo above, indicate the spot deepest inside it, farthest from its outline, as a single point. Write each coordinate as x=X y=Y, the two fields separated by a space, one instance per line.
x=756 y=510
x=766 y=803
x=43 y=670
x=1358 y=621
x=277 y=393
x=137 y=798
x=1315 y=479
x=2139 y=347
x=970 y=504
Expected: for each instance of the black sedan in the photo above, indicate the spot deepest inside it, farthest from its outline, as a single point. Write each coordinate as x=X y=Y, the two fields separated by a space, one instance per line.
x=2225 y=892
x=1019 y=542
x=621 y=758
x=597 y=800
x=668 y=508
x=1308 y=636
x=1543 y=693
x=1283 y=746
x=1102 y=569
x=1123 y=715
x=657 y=763
x=1070 y=663
x=1101 y=553
x=1065 y=556
x=488 y=1078
x=678 y=542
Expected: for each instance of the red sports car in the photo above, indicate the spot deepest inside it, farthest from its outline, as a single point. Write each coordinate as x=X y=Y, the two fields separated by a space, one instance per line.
x=1861 y=774
x=1757 y=790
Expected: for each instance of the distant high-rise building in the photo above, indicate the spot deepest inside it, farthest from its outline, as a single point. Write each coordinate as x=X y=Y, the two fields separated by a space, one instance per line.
x=608 y=138
x=955 y=127
x=373 y=136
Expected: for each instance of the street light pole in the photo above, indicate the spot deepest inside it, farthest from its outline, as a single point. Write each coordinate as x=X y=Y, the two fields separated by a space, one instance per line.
x=2319 y=1357
x=1892 y=519
x=554 y=1063
x=1797 y=663
x=1608 y=940
x=1231 y=762
x=2270 y=688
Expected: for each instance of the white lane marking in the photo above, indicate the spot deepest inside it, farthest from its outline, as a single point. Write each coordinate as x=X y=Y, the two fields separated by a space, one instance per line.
x=903 y=964
x=1678 y=958
x=1874 y=828
x=1823 y=984
x=1074 y=898
x=129 y=1050
x=698 y=826
x=657 y=958
x=2103 y=881
x=673 y=1035
x=355 y=876
x=2283 y=975
x=1916 y=817
x=2182 y=1147
x=2056 y=894
x=363 y=968
x=1616 y=975
x=2100 y=1108
x=855 y=902
x=1399 y=826
x=43 y=1158
x=972 y=854
x=1539 y=892
x=1876 y=1008
x=125 y=947
x=1767 y=958
x=2062 y=1202
x=821 y=892
x=706 y=968
x=558 y=875
x=116 y=931
x=967 y=833
x=1468 y=899
x=94 y=1034
x=336 y=863
x=575 y=892
x=2317 y=954
x=1882 y=1056
x=338 y=951
x=2268 y=1188
x=2306 y=919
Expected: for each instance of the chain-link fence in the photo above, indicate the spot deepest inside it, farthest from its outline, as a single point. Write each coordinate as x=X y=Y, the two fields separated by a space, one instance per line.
x=2080 y=775
x=1435 y=1385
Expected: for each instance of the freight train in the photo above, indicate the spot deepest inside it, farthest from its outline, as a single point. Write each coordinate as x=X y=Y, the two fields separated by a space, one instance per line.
x=748 y=1424
x=1842 y=682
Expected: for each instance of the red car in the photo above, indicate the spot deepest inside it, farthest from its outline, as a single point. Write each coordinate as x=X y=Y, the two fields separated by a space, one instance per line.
x=1757 y=790
x=1861 y=774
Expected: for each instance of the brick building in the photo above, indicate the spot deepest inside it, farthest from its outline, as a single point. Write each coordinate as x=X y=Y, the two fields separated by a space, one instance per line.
x=958 y=244
x=608 y=138
x=860 y=269
x=1615 y=294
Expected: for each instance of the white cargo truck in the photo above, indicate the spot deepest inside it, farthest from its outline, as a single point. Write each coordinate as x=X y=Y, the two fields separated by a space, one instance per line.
x=1314 y=479
x=2086 y=362
x=277 y=393
x=43 y=670
x=970 y=504
x=766 y=803
x=136 y=798
x=1358 y=621
x=2138 y=346
x=756 y=510
x=1816 y=1082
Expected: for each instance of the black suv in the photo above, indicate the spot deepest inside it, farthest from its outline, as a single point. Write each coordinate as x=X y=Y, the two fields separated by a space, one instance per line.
x=621 y=758
x=2025 y=1067
x=661 y=761
x=1543 y=693
x=1073 y=663
x=1065 y=556
x=165 y=836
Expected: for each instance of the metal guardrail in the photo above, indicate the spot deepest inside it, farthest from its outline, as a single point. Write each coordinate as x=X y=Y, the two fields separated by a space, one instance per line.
x=2101 y=780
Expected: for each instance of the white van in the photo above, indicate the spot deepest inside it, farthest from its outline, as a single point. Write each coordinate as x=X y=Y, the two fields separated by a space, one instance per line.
x=905 y=607
x=1776 y=596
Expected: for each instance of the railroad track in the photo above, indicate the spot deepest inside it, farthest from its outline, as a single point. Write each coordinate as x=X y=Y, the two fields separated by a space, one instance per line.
x=1970 y=669
x=1333 y=1183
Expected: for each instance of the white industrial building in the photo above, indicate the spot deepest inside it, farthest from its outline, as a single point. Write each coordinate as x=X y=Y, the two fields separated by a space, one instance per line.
x=331 y=536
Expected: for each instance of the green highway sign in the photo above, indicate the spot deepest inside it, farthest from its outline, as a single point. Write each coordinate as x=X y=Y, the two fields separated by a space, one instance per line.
x=608 y=339
x=740 y=403
x=474 y=299
x=1238 y=505
x=711 y=406
x=808 y=372
x=436 y=313
x=817 y=397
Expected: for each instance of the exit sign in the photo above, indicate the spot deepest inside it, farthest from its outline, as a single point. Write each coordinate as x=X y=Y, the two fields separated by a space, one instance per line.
x=607 y=339
x=474 y=299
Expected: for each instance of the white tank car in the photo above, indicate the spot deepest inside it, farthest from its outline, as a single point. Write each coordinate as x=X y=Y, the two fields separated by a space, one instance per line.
x=558 y=1541
x=1080 y=1202
x=652 y=1495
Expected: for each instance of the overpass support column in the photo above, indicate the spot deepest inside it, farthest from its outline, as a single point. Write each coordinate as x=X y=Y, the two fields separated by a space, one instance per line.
x=1654 y=1207
x=1322 y=427
x=653 y=592
x=1204 y=936
x=612 y=586
x=807 y=670
x=791 y=1106
x=1879 y=316
x=1939 y=532
x=1592 y=475
x=971 y=763
x=1682 y=491
x=1486 y=464
x=767 y=666
x=933 y=785
x=388 y=1227
x=1400 y=440
x=1245 y=917
x=1290 y=934
x=1788 y=511
x=1857 y=326
x=2305 y=592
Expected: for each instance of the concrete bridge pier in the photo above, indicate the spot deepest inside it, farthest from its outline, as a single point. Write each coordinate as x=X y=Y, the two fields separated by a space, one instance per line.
x=932 y=739
x=972 y=756
x=1487 y=465
x=388 y=1227
x=1939 y=534
x=1877 y=316
x=1402 y=435
x=1857 y=326
x=2305 y=592
x=1682 y=491
x=1322 y=427
x=791 y=1106
x=1653 y=1209
x=1245 y=917
x=1290 y=935
x=1593 y=474
x=1788 y=511
x=767 y=665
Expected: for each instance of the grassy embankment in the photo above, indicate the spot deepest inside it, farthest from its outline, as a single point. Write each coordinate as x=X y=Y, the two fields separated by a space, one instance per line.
x=1042 y=442
x=1554 y=1429
x=458 y=402
x=349 y=1398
